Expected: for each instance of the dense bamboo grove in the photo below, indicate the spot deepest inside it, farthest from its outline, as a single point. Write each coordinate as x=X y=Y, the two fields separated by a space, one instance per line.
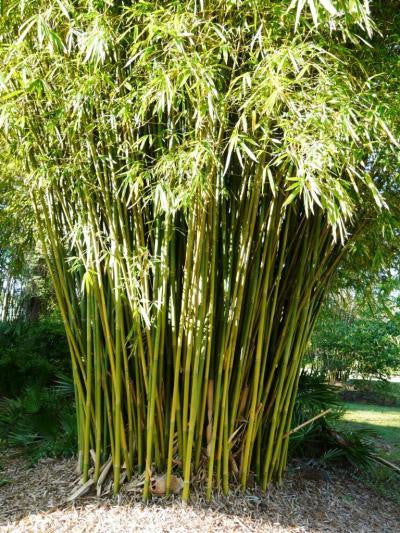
x=194 y=168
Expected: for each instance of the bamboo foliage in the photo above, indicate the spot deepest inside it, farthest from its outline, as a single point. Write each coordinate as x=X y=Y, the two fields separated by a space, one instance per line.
x=194 y=171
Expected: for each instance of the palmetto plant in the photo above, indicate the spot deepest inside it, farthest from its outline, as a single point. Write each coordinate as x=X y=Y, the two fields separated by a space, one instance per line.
x=195 y=169
x=40 y=422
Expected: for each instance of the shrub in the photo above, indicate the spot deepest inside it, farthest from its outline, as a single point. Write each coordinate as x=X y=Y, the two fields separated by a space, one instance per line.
x=319 y=439
x=354 y=341
x=31 y=354
x=37 y=412
x=373 y=392
x=41 y=421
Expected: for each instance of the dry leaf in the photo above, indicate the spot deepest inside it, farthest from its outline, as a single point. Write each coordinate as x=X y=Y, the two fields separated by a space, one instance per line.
x=135 y=485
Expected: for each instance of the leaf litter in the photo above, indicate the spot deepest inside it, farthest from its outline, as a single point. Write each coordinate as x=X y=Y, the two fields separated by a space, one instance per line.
x=35 y=499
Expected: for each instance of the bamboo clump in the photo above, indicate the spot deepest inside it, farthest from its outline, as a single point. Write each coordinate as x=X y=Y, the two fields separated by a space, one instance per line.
x=197 y=353
x=192 y=213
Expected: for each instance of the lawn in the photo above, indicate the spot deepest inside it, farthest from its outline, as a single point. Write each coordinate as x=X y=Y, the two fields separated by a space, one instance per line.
x=385 y=422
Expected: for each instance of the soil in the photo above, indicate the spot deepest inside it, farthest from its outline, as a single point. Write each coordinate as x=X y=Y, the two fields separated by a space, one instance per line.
x=34 y=499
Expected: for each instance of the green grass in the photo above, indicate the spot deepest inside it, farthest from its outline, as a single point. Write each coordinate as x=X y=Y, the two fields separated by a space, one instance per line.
x=385 y=422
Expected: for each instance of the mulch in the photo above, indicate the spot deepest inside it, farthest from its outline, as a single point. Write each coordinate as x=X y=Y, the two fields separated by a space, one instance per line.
x=35 y=500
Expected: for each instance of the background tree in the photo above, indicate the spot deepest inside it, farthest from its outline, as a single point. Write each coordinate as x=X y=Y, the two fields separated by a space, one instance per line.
x=353 y=338
x=16 y=217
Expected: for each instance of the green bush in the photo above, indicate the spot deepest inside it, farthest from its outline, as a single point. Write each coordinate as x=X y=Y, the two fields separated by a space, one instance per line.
x=375 y=392
x=31 y=354
x=319 y=439
x=41 y=421
x=37 y=412
x=354 y=341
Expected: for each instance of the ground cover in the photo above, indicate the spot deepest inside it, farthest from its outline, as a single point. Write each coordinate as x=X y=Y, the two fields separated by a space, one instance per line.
x=34 y=500
x=384 y=423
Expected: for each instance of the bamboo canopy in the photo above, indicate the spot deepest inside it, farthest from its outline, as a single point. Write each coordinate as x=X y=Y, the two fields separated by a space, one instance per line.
x=197 y=170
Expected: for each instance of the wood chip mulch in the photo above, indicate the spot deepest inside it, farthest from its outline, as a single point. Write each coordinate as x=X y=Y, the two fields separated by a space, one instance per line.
x=34 y=500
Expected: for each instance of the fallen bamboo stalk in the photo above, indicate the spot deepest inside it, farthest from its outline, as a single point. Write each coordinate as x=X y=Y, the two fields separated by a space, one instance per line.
x=386 y=463
x=304 y=424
